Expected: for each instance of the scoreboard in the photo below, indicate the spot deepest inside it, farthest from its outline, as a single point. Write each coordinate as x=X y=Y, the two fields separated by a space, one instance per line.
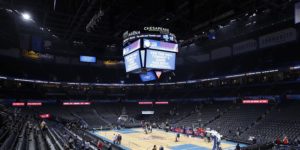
x=160 y=60
x=132 y=61
x=132 y=47
x=159 y=45
x=150 y=52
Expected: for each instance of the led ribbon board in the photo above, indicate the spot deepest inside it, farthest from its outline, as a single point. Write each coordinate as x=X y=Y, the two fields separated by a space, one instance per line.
x=148 y=76
x=256 y=101
x=76 y=103
x=17 y=104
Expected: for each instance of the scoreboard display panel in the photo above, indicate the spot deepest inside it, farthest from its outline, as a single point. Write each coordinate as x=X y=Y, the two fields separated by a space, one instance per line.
x=160 y=45
x=132 y=61
x=160 y=60
x=132 y=47
x=148 y=76
x=88 y=59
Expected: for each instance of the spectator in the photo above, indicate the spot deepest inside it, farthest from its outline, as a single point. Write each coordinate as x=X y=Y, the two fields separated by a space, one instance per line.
x=70 y=142
x=82 y=144
x=285 y=140
x=109 y=147
x=66 y=147
x=254 y=141
x=278 y=142
x=238 y=147
x=43 y=125
x=87 y=145
x=100 y=145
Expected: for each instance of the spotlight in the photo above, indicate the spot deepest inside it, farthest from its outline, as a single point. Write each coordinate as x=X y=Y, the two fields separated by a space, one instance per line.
x=26 y=16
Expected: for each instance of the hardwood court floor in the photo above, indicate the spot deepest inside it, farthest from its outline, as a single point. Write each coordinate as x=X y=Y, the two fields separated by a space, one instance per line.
x=136 y=139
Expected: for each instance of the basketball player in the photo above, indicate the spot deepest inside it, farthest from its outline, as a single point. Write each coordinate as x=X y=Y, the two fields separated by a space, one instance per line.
x=216 y=139
x=150 y=128
x=177 y=137
x=145 y=130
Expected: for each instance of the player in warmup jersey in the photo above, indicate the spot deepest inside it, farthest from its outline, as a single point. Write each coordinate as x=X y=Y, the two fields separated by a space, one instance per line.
x=216 y=139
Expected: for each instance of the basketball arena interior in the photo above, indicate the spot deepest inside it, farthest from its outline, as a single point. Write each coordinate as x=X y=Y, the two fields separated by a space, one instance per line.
x=149 y=75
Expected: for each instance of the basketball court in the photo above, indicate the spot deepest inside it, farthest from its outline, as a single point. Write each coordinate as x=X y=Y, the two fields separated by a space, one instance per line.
x=136 y=139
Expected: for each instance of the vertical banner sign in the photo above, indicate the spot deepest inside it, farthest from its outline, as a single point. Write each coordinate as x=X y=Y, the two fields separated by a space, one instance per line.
x=54 y=5
x=297 y=12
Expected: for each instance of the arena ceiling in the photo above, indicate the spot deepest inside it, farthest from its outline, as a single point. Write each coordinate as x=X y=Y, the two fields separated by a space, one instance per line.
x=67 y=19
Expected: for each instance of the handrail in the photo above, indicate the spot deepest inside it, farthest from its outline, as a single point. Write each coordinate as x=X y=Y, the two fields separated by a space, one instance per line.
x=101 y=117
x=55 y=140
x=49 y=142
x=21 y=137
x=79 y=138
x=31 y=141
x=41 y=143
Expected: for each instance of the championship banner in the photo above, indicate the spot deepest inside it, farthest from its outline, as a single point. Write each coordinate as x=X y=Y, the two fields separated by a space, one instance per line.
x=35 y=55
x=31 y=54
x=297 y=12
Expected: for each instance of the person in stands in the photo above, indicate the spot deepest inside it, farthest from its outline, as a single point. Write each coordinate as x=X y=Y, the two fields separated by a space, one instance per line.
x=278 y=142
x=238 y=147
x=43 y=126
x=109 y=147
x=99 y=145
x=71 y=142
x=87 y=145
x=285 y=140
x=82 y=144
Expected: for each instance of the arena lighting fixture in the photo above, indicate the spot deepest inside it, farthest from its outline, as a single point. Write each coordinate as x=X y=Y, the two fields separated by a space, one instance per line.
x=26 y=16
